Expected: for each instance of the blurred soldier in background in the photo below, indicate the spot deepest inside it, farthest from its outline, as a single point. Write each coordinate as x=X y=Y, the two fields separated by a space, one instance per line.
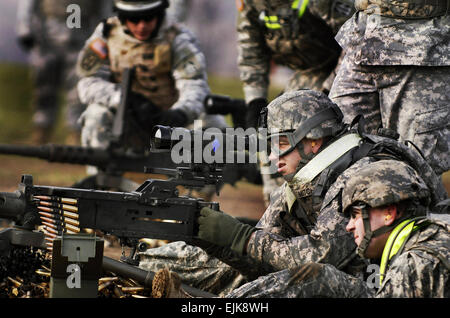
x=296 y=34
x=169 y=84
x=54 y=31
x=396 y=72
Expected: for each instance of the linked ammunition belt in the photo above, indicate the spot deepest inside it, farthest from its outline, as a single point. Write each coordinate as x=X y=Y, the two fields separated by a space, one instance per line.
x=405 y=9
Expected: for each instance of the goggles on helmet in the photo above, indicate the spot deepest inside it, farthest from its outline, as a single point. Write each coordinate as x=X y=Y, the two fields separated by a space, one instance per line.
x=296 y=136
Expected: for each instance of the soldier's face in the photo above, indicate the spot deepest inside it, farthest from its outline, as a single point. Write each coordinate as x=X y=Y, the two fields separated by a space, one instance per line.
x=378 y=217
x=288 y=163
x=142 y=29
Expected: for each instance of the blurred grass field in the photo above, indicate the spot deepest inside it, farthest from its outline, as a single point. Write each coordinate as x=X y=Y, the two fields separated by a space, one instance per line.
x=16 y=127
x=16 y=110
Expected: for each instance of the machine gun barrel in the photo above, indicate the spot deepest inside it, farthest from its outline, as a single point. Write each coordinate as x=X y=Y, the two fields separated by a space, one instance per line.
x=58 y=153
x=144 y=277
x=113 y=161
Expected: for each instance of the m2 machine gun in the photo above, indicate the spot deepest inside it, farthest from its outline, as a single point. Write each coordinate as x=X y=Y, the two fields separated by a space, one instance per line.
x=154 y=210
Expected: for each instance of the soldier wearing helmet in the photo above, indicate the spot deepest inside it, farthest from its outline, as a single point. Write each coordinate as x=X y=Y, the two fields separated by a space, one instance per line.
x=302 y=223
x=295 y=34
x=169 y=82
x=388 y=203
x=310 y=147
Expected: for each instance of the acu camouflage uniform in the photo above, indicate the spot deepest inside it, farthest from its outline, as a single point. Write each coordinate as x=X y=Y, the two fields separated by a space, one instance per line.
x=304 y=42
x=170 y=71
x=293 y=230
x=396 y=72
x=419 y=269
x=323 y=236
x=296 y=34
x=54 y=53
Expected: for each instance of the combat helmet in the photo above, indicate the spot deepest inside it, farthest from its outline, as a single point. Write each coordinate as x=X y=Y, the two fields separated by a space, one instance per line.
x=380 y=184
x=142 y=9
x=302 y=114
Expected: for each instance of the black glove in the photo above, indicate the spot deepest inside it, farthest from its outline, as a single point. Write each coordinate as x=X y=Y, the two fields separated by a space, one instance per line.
x=26 y=42
x=223 y=230
x=144 y=111
x=254 y=111
x=172 y=118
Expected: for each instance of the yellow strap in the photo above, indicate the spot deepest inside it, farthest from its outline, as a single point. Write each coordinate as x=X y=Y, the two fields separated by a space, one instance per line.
x=272 y=22
x=394 y=243
x=301 y=6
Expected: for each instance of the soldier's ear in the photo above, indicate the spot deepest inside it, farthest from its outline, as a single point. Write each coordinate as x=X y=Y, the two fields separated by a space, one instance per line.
x=316 y=144
x=390 y=214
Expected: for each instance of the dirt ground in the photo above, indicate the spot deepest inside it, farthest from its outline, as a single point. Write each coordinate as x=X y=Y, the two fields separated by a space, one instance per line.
x=242 y=199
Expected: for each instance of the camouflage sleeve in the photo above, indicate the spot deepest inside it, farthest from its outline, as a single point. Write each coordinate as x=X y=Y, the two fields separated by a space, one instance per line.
x=333 y=12
x=391 y=41
x=327 y=243
x=98 y=90
x=253 y=55
x=310 y=280
x=246 y=265
x=26 y=11
x=189 y=71
x=415 y=274
x=268 y=219
x=94 y=85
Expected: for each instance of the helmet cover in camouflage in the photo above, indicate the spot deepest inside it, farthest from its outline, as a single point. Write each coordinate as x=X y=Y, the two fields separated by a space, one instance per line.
x=290 y=111
x=383 y=183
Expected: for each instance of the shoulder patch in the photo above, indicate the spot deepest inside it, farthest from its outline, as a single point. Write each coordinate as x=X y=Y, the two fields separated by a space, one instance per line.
x=100 y=48
x=93 y=57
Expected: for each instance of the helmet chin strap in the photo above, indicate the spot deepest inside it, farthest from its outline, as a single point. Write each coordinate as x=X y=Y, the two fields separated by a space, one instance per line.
x=305 y=158
x=369 y=234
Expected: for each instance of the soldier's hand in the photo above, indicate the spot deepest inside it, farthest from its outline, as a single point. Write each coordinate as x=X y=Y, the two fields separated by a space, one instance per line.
x=172 y=117
x=26 y=42
x=223 y=230
x=143 y=109
x=254 y=108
